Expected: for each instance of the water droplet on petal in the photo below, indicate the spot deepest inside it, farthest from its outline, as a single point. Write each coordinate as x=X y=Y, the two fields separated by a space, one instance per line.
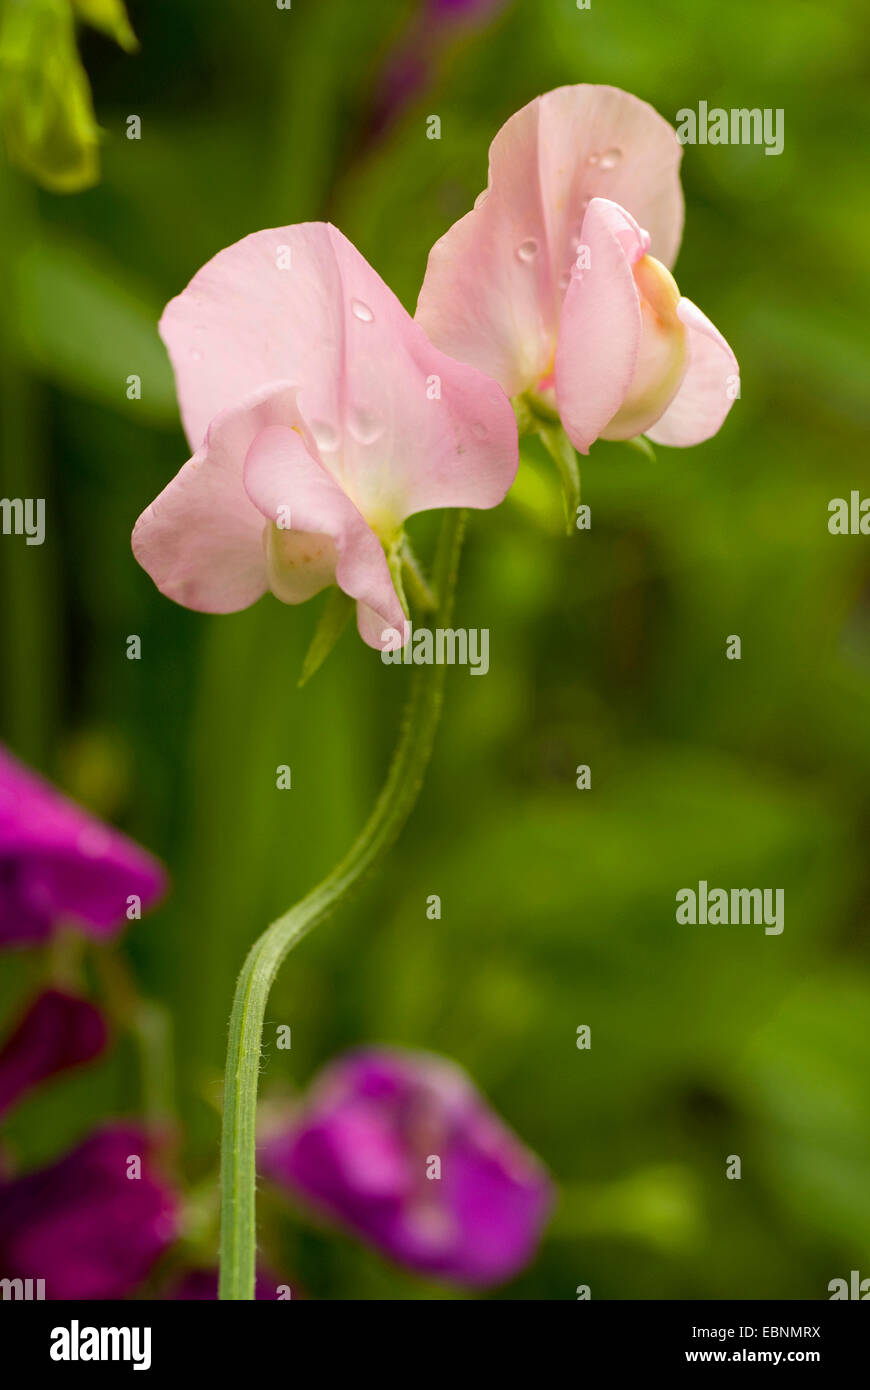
x=361 y=311
x=196 y=355
x=325 y=435
x=528 y=250
x=479 y=430
x=364 y=426
x=611 y=158
x=593 y=159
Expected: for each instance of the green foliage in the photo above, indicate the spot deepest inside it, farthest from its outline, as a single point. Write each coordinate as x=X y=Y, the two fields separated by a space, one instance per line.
x=46 y=111
x=607 y=648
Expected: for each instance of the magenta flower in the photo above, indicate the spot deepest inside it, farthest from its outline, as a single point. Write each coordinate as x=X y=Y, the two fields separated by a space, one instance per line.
x=412 y=64
x=59 y=863
x=401 y=1148
x=453 y=10
x=321 y=418
x=87 y=1225
x=549 y=286
x=57 y=1032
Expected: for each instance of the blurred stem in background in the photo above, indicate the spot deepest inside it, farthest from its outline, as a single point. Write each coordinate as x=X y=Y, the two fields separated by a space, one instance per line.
x=394 y=805
x=150 y=1026
x=27 y=573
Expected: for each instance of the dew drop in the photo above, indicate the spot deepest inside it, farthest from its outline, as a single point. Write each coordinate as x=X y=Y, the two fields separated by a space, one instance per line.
x=361 y=311
x=528 y=250
x=593 y=159
x=611 y=158
x=364 y=426
x=325 y=435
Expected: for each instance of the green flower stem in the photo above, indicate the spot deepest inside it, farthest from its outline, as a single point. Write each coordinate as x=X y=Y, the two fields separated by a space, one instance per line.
x=394 y=805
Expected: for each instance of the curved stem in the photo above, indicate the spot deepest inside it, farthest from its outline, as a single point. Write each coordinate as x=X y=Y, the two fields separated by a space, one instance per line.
x=394 y=805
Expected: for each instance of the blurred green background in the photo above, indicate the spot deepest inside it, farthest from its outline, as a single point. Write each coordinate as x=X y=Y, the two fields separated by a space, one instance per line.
x=607 y=648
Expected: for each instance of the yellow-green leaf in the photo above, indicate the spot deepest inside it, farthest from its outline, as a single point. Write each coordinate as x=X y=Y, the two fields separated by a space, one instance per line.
x=46 y=112
x=110 y=17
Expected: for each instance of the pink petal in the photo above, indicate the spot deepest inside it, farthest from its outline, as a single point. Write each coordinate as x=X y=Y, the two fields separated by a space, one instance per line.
x=600 y=328
x=495 y=281
x=400 y=426
x=635 y=158
x=487 y=294
x=709 y=386
x=328 y=533
x=201 y=540
x=662 y=357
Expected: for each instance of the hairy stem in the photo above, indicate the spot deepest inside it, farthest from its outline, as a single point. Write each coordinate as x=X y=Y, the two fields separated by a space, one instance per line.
x=394 y=805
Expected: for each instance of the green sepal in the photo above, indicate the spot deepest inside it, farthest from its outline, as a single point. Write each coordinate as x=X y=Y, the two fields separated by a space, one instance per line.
x=564 y=455
x=330 y=625
x=525 y=417
x=417 y=586
x=641 y=445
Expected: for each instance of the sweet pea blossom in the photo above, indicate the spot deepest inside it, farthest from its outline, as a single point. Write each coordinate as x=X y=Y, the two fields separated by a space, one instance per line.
x=321 y=417
x=401 y=1148
x=557 y=282
x=58 y=1031
x=57 y=862
x=86 y=1225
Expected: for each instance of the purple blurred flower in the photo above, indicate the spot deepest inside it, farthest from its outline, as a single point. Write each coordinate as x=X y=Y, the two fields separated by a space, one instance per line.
x=83 y=1225
x=410 y=66
x=57 y=861
x=448 y=11
x=202 y=1284
x=58 y=1031
x=365 y=1147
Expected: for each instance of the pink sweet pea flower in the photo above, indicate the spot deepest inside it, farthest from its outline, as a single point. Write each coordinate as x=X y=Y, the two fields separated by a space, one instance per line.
x=556 y=282
x=321 y=418
x=58 y=863
x=401 y=1148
